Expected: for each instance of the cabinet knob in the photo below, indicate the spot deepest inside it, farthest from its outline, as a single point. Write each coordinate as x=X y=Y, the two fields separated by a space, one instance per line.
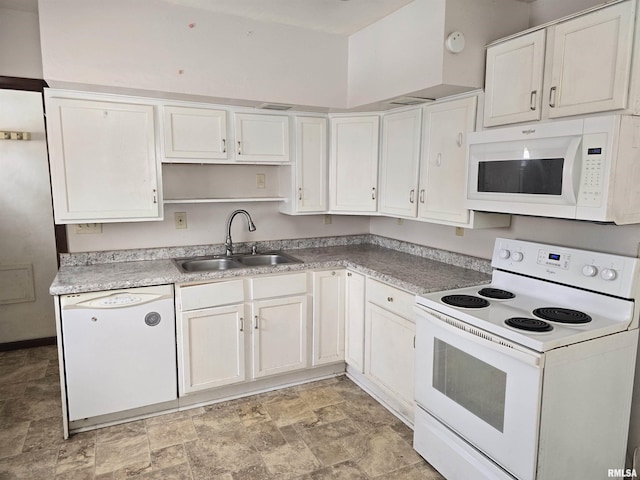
x=389 y=299
x=349 y=274
x=94 y=319
x=333 y=273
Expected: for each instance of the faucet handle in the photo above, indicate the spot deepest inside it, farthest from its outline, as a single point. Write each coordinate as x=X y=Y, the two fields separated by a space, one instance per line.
x=254 y=250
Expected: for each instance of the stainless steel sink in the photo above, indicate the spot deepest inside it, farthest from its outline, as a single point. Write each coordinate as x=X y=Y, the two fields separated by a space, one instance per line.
x=206 y=264
x=218 y=262
x=272 y=258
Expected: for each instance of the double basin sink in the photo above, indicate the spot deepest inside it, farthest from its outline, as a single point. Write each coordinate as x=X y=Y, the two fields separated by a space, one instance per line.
x=222 y=262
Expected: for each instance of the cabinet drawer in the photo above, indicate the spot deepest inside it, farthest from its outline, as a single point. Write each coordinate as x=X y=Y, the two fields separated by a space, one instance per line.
x=211 y=294
x=391 y=298
x=279 y=285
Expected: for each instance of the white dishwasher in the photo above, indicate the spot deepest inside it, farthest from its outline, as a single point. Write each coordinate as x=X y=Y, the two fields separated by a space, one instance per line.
x=119 y=350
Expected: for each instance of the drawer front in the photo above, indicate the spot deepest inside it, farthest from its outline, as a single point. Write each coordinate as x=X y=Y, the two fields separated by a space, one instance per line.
x=279 y=285
x=391 y=298
x=208 y=295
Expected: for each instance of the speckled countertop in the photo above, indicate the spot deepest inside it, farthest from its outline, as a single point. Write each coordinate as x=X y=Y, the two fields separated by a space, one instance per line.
x=421 y=271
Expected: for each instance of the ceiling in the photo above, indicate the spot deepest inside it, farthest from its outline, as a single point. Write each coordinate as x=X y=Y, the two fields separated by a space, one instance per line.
x=342 y=17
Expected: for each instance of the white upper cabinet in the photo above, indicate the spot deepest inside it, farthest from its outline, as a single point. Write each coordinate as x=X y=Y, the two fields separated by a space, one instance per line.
x=442 y=180
x=104 y=166
x=586 y=68
x=399 y=161
x=261 y=138
x=514 y=80
x=591 y=62
x=311 y=164
x=354 y=164
x=194 y=133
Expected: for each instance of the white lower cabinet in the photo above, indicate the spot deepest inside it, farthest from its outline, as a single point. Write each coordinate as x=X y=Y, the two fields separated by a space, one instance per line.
x=214 y=353
x=279 y=335
x=328 y=316
x=390 y=344
x=354 y=321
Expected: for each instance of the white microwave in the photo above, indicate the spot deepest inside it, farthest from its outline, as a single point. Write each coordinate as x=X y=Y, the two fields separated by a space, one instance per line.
x=584 y=169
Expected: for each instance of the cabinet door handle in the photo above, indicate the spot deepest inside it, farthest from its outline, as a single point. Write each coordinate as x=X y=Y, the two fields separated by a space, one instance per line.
x=333 y=273
x=349 y=274
x=255 y=324
x=373 y=193
x=460 y=139
x=155 y=197
x=300 y=193
x=412 y=195
x=224 y=145
x=439 y=160
x=532 y=101
x=239 y=149
x=389 y=299
x=414 y=342
x=552 y=97
x=422 y=196
x=241 y=324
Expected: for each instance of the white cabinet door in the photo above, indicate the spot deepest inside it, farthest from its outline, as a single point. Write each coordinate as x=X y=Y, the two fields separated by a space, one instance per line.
x=355 y=315
x=591 y=61
x=390 y=349
x=399 y=161
x=212 y=341
x=442 y=172
x=311 y=164
x=354 y=164
x=104 y=166
x=262 y=138
x=328 y=316
x=279 y=338
x=195 y=133
x=513 y=84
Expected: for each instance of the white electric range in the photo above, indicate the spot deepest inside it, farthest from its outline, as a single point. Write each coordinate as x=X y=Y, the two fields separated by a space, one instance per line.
x=529 y=377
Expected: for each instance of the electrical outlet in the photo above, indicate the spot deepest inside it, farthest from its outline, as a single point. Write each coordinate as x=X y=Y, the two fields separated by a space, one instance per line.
x=459 y=232
x=180 y=219
x=327 y=219
x=88 y=228
x=260 y=180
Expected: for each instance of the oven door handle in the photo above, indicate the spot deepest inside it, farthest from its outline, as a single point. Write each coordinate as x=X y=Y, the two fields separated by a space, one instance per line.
x=480 y=337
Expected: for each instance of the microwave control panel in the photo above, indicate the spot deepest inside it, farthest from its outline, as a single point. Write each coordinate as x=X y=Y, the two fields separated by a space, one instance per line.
x=593 y=170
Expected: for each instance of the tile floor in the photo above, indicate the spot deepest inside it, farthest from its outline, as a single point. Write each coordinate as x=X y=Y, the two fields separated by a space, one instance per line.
x=329 y=429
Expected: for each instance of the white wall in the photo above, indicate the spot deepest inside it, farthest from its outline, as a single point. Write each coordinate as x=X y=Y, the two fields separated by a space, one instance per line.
x=145 y=44
x=26 y=218
x=543 y=11
x=20 y=44
x=207 y=224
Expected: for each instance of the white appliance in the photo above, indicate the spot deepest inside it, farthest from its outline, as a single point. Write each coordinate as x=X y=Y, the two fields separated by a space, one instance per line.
x=583 y=169
x=529 y=377
x=119 y=350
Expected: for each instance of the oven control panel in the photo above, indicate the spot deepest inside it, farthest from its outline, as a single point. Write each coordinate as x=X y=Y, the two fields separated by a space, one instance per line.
x=601 y=272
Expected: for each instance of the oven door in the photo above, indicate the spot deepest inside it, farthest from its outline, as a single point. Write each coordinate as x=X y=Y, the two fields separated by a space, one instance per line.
x=482 y=387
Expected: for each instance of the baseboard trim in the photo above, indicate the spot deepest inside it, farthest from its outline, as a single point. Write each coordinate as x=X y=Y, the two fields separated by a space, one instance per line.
x=34 y=342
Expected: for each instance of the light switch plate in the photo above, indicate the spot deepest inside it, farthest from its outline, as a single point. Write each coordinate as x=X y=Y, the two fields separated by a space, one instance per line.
x=260 y=180
x=180 y=220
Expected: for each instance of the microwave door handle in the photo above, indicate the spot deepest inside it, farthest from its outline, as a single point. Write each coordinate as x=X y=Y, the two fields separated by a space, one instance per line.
x=571 y=174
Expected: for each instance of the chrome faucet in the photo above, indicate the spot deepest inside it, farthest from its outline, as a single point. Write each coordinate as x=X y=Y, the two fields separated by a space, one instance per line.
x=252 y=228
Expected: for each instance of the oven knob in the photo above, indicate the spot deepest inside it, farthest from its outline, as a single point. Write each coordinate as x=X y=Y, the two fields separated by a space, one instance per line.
x=517 y=256
x=589 y=271
x=504 y=254
x=608 y=274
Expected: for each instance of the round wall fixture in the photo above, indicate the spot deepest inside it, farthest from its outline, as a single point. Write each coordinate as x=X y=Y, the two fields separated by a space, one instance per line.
x=455 y=42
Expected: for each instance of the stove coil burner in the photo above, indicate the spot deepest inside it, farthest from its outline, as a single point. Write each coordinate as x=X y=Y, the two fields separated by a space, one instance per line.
x=465 y=301
x=529 y=324
x=562 y=315
x=496 y=293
